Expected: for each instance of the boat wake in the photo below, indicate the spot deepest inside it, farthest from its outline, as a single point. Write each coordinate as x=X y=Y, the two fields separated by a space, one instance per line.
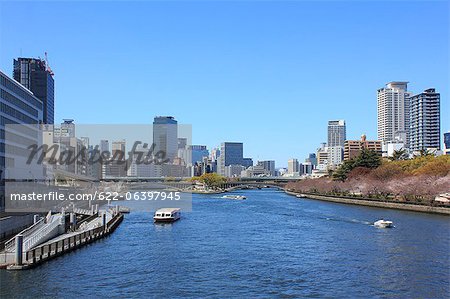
x=349 y=220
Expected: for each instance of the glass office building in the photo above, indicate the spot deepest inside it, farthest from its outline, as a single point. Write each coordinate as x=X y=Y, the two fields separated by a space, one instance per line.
x=165 y=136
x=231 y=153
x=18 y=106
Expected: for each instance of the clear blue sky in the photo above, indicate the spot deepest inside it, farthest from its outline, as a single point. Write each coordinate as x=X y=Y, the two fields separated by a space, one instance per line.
x=269 y=74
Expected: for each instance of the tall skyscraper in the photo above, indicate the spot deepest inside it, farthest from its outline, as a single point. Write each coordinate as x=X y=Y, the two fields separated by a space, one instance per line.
x=165 y=136
x=393 y=112
x=425 y=119
x=336 y=137
x=36 y=76
x=231 y=153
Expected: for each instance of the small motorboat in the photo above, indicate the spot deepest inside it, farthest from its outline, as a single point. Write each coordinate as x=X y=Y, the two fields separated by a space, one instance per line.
x=301 y=196
x=238 y=197
x=124 y=210
x=167 y=215
x=383 y=223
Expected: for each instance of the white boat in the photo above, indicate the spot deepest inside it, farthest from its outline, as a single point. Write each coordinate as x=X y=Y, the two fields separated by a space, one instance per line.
x=443 y=198
x=167 y=215
x=301 y=195
x=383 y=223
x=238 y=197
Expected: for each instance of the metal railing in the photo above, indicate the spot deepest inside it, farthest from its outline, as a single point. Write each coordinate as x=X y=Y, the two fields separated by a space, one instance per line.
x=11 y=244
x=41 y=235
x=83 y=211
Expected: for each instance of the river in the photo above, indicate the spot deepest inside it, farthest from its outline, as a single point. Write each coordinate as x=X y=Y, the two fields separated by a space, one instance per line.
x=270 y=245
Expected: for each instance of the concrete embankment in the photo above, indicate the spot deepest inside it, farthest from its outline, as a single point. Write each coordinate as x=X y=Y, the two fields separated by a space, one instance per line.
x=377 y=204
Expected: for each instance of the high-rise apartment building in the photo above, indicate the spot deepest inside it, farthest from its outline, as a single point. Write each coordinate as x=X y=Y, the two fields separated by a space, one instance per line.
x=336 y=132
x=424 y=121
x=336 y=138
x=393 y=112
x=335 y=156
x=36 y=76
x=165 y=136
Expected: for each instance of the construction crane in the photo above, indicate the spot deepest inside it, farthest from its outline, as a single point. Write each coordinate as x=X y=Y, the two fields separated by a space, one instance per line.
x=47 y=65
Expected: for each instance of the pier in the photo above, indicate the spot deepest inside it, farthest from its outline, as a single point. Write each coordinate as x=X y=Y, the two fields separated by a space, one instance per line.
x=51 y=236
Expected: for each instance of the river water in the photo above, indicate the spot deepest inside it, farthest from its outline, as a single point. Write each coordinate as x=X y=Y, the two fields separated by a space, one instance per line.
x=270 y=245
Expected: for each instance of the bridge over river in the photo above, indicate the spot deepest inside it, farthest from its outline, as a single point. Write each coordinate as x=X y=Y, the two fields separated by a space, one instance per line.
x=138 y=184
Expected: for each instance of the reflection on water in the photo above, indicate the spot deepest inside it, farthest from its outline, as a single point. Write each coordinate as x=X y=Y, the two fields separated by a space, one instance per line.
x=163 y=226
x=269 y=245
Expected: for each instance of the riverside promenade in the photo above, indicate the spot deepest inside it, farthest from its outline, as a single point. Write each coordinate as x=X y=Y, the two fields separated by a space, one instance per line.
x=376 y=203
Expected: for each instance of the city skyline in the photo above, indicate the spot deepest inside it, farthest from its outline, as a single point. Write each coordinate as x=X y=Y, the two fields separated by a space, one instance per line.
x=238 y=100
